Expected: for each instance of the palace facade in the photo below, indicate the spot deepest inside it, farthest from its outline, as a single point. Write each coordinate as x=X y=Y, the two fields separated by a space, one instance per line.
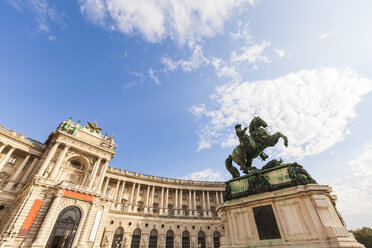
x=64 y=193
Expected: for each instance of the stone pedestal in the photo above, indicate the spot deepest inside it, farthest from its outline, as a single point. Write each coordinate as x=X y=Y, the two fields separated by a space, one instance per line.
x=286 y=215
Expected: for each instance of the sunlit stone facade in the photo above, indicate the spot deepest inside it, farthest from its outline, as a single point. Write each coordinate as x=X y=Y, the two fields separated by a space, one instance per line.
x=63 y=193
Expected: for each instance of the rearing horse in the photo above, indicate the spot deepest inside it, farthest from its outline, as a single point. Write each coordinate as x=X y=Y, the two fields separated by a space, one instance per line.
x=252 y=146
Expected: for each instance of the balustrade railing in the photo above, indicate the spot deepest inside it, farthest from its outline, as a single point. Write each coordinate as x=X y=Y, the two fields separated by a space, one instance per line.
x=20 y=136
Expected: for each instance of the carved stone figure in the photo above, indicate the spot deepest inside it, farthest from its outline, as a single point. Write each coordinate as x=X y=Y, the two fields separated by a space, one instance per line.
x=252 y=146
x=299 y=174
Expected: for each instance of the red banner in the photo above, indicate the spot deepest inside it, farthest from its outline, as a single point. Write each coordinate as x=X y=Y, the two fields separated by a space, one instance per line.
x=77 y=195
x=30 y=218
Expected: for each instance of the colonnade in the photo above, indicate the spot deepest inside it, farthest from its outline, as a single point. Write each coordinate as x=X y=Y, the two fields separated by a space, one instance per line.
x=16 y=177
x=182 y=197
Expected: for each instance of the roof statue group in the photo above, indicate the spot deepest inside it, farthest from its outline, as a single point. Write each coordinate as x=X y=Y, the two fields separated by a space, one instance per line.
x=252 y=146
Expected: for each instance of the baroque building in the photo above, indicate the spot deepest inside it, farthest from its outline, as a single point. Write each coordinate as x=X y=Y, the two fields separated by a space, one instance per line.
x=64 y=193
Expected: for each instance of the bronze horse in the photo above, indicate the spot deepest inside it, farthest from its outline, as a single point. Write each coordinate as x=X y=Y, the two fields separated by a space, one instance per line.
x=252 y=146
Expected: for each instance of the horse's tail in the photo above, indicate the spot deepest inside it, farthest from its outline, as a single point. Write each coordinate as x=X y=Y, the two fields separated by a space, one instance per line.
x=233 y=171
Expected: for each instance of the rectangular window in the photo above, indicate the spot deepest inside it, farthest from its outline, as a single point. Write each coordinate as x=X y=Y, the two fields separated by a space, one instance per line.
x=12 y=160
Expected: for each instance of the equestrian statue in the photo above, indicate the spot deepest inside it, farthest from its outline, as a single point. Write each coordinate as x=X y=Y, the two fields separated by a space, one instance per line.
x=251 y=146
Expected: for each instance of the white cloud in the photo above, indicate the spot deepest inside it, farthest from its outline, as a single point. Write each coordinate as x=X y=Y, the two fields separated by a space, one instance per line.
x=205 y=175
x=43 y=11
x=196 y=60
x=242 y=33
x=311 y=107
x=326 y=35
x=251 y=54
x=51 y=38
x=153 y=77
x=280 y=52
x=225 y=69
x=354 y=190
x=183 y=21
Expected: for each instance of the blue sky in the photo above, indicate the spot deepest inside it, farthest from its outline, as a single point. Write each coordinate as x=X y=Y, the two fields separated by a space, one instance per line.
x=170 y=79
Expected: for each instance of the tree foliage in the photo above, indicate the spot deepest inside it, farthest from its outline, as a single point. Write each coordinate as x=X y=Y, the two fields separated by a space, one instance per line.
x=364 y=236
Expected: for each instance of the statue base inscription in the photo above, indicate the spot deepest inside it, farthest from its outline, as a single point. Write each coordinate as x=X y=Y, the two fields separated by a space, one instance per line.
x=284 y=215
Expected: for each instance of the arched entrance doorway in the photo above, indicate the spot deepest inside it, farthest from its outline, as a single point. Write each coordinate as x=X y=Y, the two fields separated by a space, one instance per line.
x=118 y=238
x=65 y=228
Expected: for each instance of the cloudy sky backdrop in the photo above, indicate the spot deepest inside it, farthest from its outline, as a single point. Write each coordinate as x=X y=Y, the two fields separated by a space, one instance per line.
x=170 y=79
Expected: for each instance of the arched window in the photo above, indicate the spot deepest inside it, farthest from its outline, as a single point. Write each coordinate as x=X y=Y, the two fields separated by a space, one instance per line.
x=216 y=239
x=65 y=228
x=118 y=238
x=185 y=239
x=153 y=241
x=136 y=239
x=169 y=242
x=201 y=239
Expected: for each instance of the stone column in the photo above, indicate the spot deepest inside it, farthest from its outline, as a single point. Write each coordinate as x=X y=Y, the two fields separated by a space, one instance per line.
x=221 y=197
x=132 y=195
x=122 y=192
x=176 y=201
x=102 y=175
x=94 y=172
x=181 y=209
x=117 y=193
x=56 y=167
x=194 y=207
x=47 y=225
x=151 y=209
x=203 y=203
x=217 y=198
x=29 y=170
x=115 y=196
x=146 y=210
x=105 y=186
x=190 y=203
x=5 y=159
x=161 y=210
x=13 y=179
x=2 y=147
x=85 y=228
x=20 y=168
x=131 y=207
x=208 y=205
x=166 y=210
x=46 y=161
x=135 y=206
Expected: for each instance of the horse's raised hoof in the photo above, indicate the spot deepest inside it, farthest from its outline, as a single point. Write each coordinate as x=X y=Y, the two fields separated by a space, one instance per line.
x=286 y=143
